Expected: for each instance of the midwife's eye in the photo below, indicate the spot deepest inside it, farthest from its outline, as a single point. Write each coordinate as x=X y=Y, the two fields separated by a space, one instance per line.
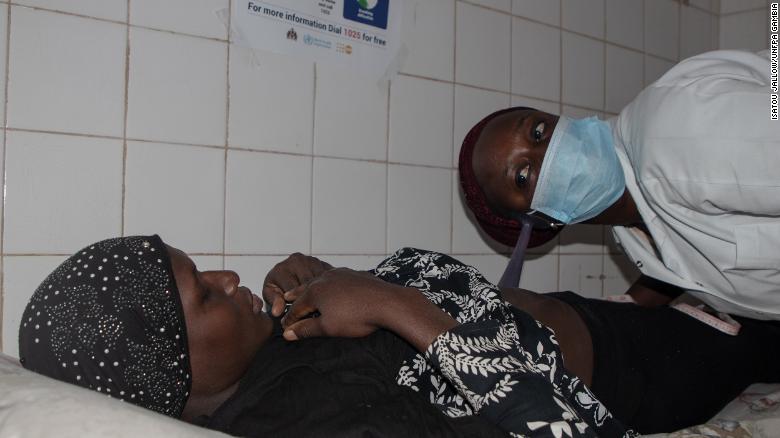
x=539 y=131
x=521 y=177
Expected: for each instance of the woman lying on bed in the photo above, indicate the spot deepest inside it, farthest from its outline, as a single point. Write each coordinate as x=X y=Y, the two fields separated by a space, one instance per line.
x=436 y=350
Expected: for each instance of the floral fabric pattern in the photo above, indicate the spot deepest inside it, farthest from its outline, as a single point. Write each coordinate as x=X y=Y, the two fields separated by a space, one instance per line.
x=498 y=362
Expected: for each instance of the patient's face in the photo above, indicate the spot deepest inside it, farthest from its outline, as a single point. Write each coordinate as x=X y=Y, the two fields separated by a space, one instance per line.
x=508 y=158
x=225 y=324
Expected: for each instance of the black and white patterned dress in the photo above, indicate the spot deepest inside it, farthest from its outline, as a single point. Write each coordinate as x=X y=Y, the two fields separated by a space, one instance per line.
x=498 y=362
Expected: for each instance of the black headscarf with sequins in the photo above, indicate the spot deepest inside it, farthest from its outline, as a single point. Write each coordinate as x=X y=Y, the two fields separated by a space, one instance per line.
x=110 y=319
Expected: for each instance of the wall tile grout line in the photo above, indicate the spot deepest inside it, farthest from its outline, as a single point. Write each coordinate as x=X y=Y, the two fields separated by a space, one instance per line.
x=454 y=176
x=72 y=14
x=560 y=93
x=387 y=167
x=604 y=105
x=227 y=136
x=311 y=164
x=108 y=20
x=604 y=60
x=234 y=148
x=124 y=121
x=511 y=55
x=185 y=34
x=6 y=75
x=679 y=31
x=644 y=45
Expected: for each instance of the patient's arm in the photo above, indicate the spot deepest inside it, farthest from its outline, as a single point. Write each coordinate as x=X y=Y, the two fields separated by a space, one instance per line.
x=355 y=304
x=486 y=361
x=503 y=391
x=649 y=292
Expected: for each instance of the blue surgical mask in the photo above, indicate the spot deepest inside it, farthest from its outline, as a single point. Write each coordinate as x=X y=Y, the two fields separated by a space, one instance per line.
x=581 y=175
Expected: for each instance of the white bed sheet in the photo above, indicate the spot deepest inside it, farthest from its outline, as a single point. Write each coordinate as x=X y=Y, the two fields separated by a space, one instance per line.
x=35 y=406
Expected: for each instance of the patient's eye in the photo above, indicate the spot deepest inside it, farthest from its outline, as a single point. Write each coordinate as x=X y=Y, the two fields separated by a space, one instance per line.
x=539 y=131
x=521 y=177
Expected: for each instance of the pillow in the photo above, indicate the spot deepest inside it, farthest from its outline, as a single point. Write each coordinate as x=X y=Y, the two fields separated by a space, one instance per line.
x=33 y=405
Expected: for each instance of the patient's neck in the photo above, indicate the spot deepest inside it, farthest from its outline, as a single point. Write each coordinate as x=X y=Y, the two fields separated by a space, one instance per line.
x=205 y=404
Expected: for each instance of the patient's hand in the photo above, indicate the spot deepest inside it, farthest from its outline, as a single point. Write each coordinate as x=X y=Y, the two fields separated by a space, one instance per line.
x=354 y=304
x=346 y=303
x=294 y=271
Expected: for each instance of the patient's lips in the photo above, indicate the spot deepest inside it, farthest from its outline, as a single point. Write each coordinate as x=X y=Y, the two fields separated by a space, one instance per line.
x=257 y=304
x=253 y=301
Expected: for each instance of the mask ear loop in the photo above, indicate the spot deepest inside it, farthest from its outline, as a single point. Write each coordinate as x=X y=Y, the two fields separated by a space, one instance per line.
x=511 y=276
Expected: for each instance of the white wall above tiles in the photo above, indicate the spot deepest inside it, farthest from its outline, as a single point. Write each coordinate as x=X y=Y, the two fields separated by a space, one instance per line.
x=143 y=119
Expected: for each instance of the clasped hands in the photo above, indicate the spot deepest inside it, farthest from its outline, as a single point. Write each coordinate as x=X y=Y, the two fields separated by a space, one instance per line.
x=347 y=303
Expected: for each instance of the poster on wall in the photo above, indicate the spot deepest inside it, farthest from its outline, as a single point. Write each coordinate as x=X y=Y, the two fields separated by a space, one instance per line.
x=362 y=35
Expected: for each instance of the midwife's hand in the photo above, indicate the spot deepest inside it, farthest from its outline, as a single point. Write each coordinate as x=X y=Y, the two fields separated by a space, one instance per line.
x=293 y=272
x=345 y=303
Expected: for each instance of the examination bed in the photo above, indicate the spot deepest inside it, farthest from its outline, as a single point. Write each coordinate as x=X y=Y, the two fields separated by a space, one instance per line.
x=34 y=406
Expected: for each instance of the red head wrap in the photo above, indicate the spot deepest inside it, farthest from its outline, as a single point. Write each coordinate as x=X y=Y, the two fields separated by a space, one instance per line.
x=503 y=229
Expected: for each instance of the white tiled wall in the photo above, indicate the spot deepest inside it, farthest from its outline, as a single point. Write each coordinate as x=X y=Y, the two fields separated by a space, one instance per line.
x=139 y=116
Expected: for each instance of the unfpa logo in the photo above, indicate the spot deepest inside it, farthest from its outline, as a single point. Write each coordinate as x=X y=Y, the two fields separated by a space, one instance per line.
x=368 y=4
x=370 y=12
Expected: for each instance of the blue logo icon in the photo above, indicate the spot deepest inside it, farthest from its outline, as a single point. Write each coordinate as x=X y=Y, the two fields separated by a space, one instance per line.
x=370 y=12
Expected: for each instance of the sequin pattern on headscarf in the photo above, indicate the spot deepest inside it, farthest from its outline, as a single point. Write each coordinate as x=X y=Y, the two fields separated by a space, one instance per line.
x=110 y=319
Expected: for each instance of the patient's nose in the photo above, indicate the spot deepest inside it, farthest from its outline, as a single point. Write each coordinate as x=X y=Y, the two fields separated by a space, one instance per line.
x=226 y=281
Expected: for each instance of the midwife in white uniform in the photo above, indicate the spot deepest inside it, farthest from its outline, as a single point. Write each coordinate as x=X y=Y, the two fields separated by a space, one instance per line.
x=688 y=174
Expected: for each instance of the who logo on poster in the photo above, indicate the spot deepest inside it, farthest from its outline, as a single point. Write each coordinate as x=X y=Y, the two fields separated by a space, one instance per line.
x=371 y=12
